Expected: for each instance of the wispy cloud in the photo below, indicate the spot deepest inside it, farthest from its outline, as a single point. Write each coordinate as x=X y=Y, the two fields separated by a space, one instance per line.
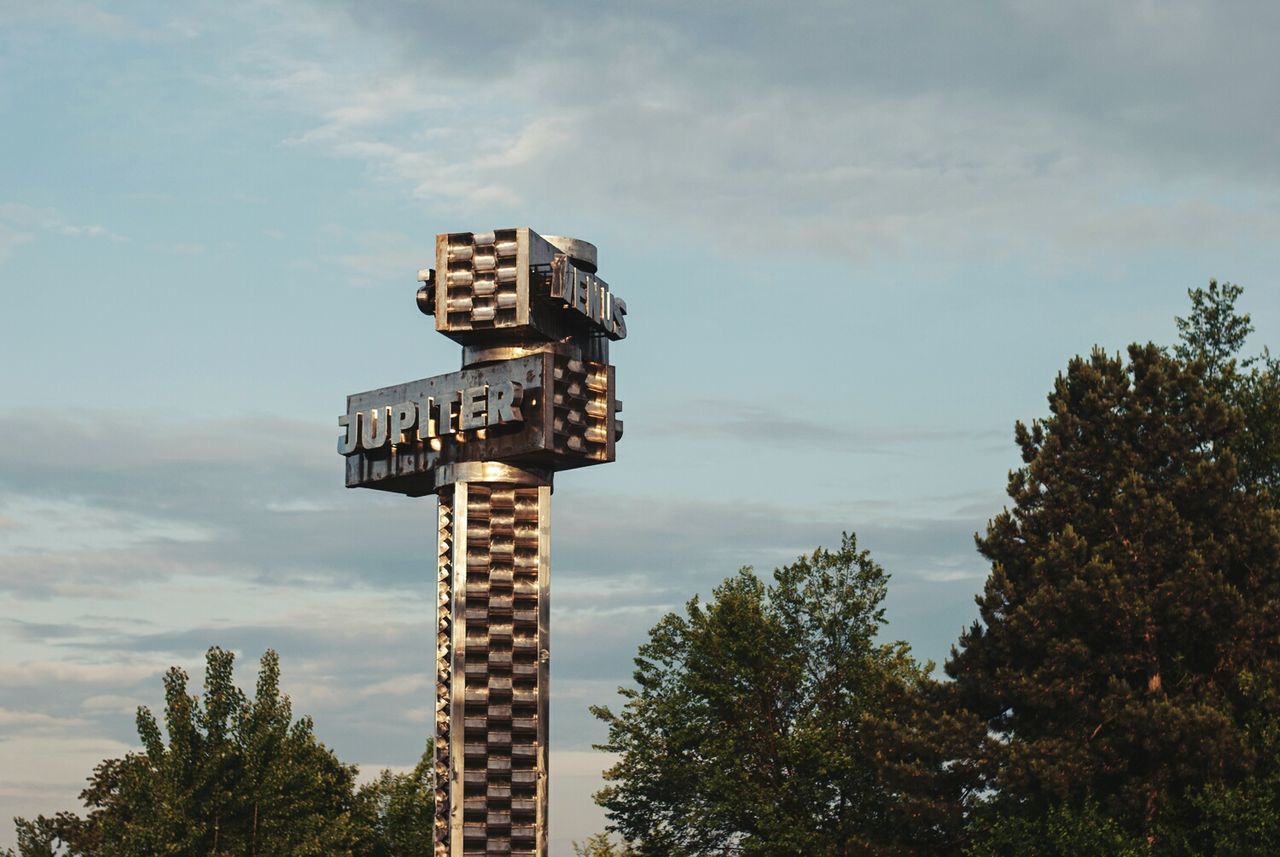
x=21 y=224
x=792 y=426
x=135 y=556
x=36 y=723
x=85 y=17
x=51 y=220
x=10 y=240
x=1014 y=130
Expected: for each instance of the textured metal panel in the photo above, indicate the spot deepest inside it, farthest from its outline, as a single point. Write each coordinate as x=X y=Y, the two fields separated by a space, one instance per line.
x=457 y=664
x=567 y=419
x=497 y=286
x=491 y=770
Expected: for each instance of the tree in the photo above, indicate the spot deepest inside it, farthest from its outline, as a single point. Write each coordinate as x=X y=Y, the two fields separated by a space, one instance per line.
x=1134 y=592
x=758 y=722
x=600 y=845
x=234 y=776
x=1065 y=830
x=1215 y=333
x=400 y=809
x=35 y=839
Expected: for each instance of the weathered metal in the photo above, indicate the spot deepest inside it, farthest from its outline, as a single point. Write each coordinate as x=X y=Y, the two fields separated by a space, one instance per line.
x=548 y=410
x=536 y=395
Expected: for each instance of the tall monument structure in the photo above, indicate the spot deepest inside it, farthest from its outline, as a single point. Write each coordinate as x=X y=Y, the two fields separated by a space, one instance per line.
x=535 y=395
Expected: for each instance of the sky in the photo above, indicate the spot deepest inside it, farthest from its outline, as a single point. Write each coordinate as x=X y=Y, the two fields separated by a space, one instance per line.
x=857 y=242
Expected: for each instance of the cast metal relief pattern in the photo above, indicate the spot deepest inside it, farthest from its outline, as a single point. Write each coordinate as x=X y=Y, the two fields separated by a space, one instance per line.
x=444 y=629
x=582 y=409
x=481 y=279
x=501 y=768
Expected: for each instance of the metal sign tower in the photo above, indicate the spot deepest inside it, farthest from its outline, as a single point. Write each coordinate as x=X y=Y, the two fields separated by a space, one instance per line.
x=535 y=395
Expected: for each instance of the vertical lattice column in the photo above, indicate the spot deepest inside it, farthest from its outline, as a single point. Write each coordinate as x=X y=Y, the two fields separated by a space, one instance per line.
x=492 y=662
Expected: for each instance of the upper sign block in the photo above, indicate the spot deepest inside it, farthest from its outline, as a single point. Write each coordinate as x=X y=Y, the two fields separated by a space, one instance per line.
x=513 y=285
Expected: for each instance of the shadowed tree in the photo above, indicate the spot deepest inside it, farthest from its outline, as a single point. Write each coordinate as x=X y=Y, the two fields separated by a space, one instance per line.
x=1134 y=593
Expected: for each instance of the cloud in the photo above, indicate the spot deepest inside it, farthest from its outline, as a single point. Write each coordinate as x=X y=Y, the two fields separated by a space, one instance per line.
x=792 y=427
x=399 y=686
x=139 y=554
x=42 y=774
x=384 y=256
x=852 y=130
x=110 y=703
x=22 y=224
x=86 y=18
x=32 y=723
x=51 y=221
x=182 y=514
x=11 y=240
x=32 y=673
x=184 y=502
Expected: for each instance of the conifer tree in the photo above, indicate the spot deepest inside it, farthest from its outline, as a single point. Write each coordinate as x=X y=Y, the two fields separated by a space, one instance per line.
x=1133 y=600
x=1215 y=332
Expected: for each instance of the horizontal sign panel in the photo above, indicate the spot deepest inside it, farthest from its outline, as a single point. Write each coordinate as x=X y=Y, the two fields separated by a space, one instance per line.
x=543 y=411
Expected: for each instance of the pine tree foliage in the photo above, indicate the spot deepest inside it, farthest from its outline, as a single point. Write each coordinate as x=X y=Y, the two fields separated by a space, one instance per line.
x=1065 y=830
x=1135 y=586
x=1215 y=333
x=757 y=723
x=228 y=775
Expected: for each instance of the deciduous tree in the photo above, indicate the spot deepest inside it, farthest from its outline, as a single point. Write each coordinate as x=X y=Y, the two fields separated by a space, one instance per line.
x=229 y=775
x=759 y=722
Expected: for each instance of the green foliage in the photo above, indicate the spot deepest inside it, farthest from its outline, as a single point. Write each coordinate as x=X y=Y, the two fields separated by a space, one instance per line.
x=1240 y=818
x=400 y=810
x=1215 y=333
x=230 y=775
x=1063 y=831
x=759 y=721
x=1135 y=583
x=35 y=839
x=600 y=845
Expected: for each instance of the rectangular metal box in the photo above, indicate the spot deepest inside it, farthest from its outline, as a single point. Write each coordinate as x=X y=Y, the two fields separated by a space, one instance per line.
x=568 y=419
